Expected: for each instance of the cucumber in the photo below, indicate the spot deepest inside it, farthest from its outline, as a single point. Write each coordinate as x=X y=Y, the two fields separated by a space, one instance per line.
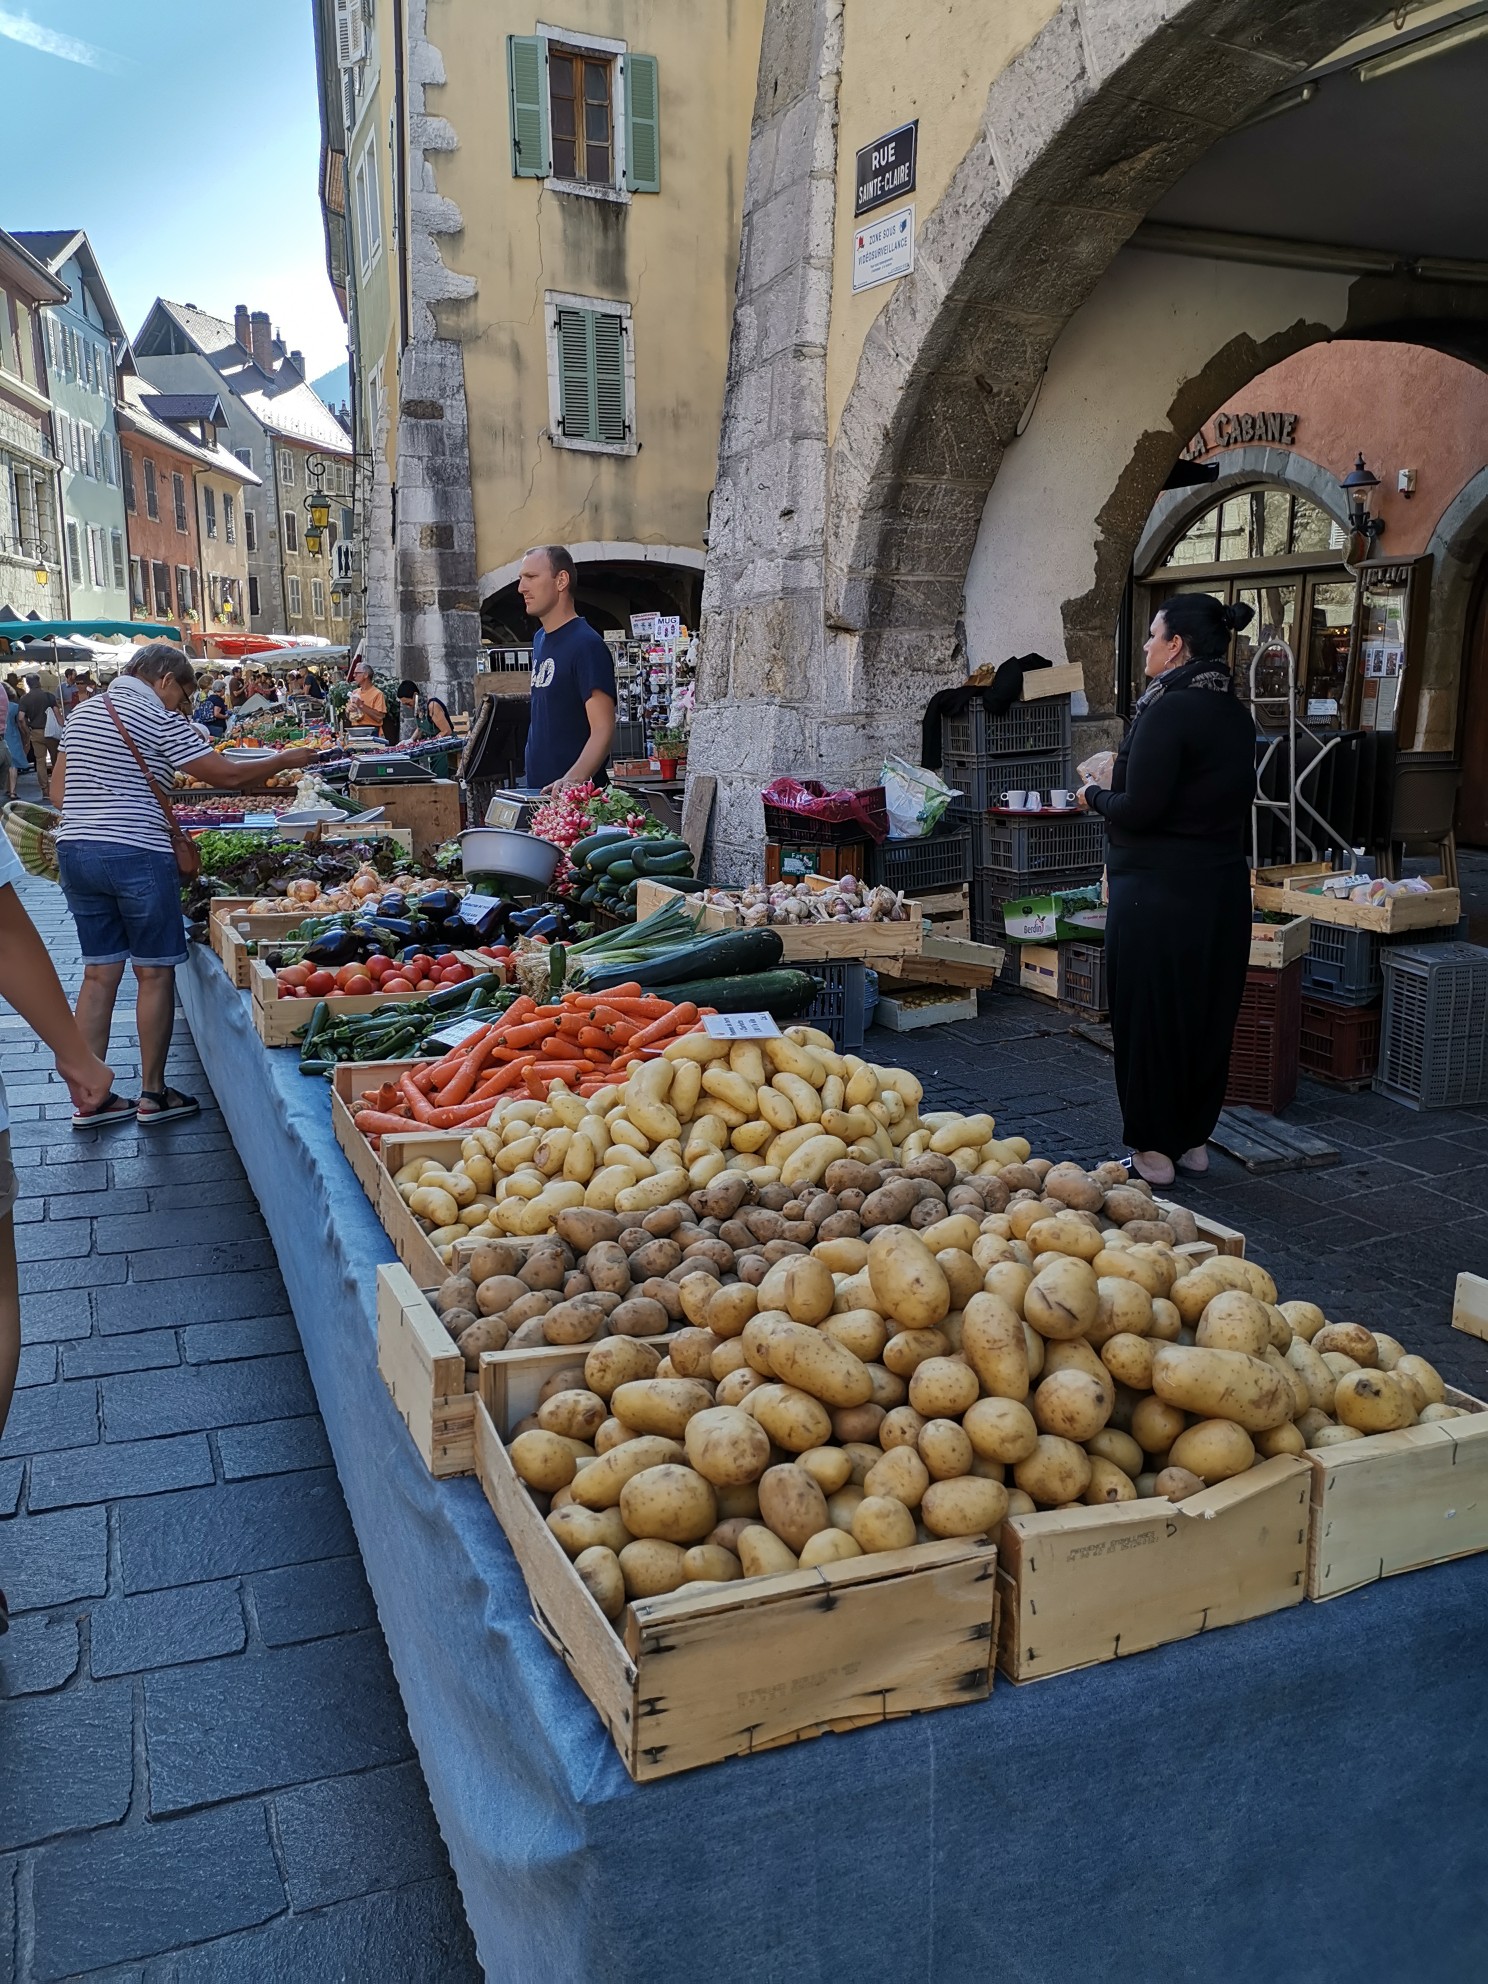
x=728 y=952
x=602 y=858
x=783 y=993
x=579 y=853
x=664 y=864
x=621 y=871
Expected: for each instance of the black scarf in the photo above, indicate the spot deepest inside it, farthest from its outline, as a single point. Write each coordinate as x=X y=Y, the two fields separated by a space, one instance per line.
x=1213 y=674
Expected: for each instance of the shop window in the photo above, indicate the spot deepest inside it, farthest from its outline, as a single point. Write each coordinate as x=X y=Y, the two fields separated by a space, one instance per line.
x=1258 y=523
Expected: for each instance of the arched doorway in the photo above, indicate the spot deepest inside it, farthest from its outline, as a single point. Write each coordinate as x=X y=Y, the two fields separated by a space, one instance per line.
x=1472 y=799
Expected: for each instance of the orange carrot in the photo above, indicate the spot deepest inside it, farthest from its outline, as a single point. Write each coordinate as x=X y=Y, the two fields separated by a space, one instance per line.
x=673 y=1021
x=459 y=1085
x=417 y=1101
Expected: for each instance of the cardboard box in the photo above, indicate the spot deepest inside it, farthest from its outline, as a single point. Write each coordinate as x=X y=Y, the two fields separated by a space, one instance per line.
x=1075 y=914
x=1038 y=969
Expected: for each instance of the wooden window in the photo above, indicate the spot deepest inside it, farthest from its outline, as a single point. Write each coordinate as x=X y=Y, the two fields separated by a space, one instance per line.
x=579 y=94
x=253 y=606
x=74 y=554
x=317 y=599
x=162 y=579
x=229 y=518
x=209 y=506
x=116 y=546
x=152 y=497
x=294 y=597
x=291 y=531
x=642 y=124
x=250 y=529
x=137 y=601
x=591 y=357
x=126 y=468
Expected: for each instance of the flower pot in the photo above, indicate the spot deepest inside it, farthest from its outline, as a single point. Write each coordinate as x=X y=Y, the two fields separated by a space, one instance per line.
x=669 y=767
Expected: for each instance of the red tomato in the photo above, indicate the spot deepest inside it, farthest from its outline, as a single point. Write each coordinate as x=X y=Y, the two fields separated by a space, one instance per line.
x=458 y=972
x=358 y=984
x=319 y=983
x=294 y=974
x=397 y=983
x=378 y=968
x=419 y=962
x=346 y=972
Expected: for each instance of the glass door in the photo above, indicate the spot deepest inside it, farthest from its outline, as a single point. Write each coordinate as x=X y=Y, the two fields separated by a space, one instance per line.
x=1323 y=658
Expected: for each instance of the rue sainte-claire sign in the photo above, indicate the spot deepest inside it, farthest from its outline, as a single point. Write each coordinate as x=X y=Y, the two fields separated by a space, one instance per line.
x=886 y=168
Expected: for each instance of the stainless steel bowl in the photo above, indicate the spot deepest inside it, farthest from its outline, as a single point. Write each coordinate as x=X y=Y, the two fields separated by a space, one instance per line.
x=516 y=858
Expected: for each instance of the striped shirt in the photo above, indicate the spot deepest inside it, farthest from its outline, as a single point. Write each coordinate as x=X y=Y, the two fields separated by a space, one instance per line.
x=106 y=796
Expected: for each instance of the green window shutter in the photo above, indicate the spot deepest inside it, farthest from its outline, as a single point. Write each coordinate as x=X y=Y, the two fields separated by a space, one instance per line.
x=576 y=374
x=609 y=377
x=642 y=125
x=527 y=85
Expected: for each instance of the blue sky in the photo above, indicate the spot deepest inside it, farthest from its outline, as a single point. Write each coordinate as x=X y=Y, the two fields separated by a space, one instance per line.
x=184 y=136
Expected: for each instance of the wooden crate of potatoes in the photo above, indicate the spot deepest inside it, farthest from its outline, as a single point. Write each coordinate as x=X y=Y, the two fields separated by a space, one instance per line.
x=725 y=1670
x=1080 y=1586
x=1273 y=946
x=348 y=1081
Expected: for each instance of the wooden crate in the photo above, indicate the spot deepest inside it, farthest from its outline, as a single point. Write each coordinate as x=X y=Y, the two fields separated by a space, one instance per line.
x=429 y=812
x=1470 y=1305
x=1286 y=888
x=1063 y=679
x=1398 y=1501
x=745 y=1666
x=1081 y=1586
x=278 y=1020
x=235 y=942
x=804 y=943
x=349 y=1080
x=427 y=1379
x=1224 y=1239
x=947 y=913
x=410 y=1242
x=1273 y=946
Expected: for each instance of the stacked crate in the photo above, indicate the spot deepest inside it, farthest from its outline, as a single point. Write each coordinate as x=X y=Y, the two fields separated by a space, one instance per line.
x=1343 y=983
x=1434 y=1025
x=1265 y=1048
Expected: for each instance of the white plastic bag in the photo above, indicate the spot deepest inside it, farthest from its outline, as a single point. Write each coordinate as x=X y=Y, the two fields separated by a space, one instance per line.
x=1096 y=770
x=916 y=798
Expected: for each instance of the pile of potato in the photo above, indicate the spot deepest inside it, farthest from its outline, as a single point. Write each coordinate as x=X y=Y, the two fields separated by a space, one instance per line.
x=916 y=1380
x=772 y=1111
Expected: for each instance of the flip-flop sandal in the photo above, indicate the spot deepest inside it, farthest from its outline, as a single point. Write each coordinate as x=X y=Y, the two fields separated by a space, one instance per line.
x=113 y=1109
x=4 y=1614
x=170 y=1106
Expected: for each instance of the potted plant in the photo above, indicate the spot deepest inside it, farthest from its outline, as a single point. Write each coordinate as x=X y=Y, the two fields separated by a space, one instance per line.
x=671 y=745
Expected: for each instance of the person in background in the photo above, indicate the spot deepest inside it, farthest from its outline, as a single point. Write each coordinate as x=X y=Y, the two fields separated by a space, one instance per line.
x=315 y=684
x=211 y=709
x=29 y=983
x=367 y=705
x=69 y=691
x=36 y=705
x=573 y=679
x=237 y=693
x=1178 y=922
x=118 y=868
x=8 y=763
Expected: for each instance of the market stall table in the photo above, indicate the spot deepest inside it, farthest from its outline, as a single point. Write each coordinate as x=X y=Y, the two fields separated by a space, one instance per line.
x=1221 y=1807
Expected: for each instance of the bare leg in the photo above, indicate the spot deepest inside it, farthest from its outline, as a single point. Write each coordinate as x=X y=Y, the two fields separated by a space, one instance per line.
x=95 y=1004
x=10 y=1317
x=155 y=1009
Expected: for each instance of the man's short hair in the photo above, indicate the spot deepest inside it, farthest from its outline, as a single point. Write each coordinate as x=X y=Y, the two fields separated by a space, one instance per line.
x=560 y=560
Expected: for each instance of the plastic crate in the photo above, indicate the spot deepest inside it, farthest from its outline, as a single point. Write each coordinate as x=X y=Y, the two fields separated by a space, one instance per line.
x=1434 y=1027
x=785 y=862
x=784 y=823
x=920 y=867
x=629 y=741
x=1267 y=1038
x=1025 y=728
x=990 y=891
x=870 y=997
x=1032 y=848
x=838 y=1006
x=1344 y=965
x=982 y=781
x=1339 y=1041
x=1082 y=977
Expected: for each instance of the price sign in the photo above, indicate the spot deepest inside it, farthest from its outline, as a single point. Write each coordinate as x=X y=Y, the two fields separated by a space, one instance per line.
x=260 y=819
x=450 y=1036
x=741 y=1026
x=474 y=908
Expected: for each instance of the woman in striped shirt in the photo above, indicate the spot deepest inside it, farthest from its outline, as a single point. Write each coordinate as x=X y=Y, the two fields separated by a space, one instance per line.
x=118 y=868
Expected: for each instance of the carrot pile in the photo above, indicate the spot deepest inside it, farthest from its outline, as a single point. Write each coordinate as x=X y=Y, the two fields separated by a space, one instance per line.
x=586 y=1040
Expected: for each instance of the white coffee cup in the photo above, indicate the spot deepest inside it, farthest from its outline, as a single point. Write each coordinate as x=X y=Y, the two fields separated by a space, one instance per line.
x=1015 y=801
x=1033 y=802
x=1059 y=799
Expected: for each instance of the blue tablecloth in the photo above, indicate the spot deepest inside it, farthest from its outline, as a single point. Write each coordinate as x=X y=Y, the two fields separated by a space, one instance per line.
x=1299 y=1798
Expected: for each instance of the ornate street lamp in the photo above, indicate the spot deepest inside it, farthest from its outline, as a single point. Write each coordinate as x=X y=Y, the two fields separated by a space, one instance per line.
x=1358 y=485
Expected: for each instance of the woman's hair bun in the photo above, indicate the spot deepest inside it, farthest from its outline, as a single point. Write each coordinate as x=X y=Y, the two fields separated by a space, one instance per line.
x=1239 y=615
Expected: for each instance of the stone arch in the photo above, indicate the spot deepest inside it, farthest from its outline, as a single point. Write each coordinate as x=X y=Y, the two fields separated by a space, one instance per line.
x=1176 y=509
x=1457 y=548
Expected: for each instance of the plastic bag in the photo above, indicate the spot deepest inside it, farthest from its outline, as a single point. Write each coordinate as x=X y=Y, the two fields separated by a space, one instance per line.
x=1096 y=770
x=916 y=799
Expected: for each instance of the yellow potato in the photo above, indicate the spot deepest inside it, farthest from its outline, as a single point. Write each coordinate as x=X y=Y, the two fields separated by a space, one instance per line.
x=880 y=1522
x=652 y=1567
x=969 y=1506
x=1175 y=1484
x=1214 y=1449
x=1425 y=1375
x=1306 y=1318
x=792 y=1505
x=727 y=1446
x=1314 y=1373
x=599 y=1568
x=845 y=1256
x=1065 y=1233
x=579 y=1529
x=1001 y=1429
x=807 y=1164
x=907 y=1279
x=1108 y=1483
x=792 y=1418
x=1155 y=1426
x=1348 y=1340
x=762 y=1553
x=1119 y=1448
x=958 y=1230
x=1074 y=1354
x=1280 y=1440
x=863 y=1332
x=544 y=1460
x=1056 y=1471
x=1233 y=1321
x=903 y=1354
x=1062 y=1299
x=671 y=1502
x=963 y=1276
x=599 y=1486
x=711 y=1562
x=1123 y=1308
x=994 y=1344
x=945 y=1448
x=814 y=1363
x=1129 y=1360
x=1072 y=1404
x=828 y=1546
x=842 y=1506
x=942 y=1388
x=1221 y=1384
x=829 y=1468
x=576 y=1414
x=660 y=1405
x=900 y=1473
x=1374 y=1401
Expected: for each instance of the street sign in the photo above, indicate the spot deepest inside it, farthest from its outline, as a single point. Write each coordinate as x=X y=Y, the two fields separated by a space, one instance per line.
x=883 y=249
x=886 y=169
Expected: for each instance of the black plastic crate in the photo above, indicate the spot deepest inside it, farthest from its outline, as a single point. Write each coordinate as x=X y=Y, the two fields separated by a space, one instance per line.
x=838 y=1007
x=1344 y=965
x=1082 y=977
x=1042 y=725
x=989 y=891
x=1434 y=1028
x=982 y=781
x=921 y=867
x=1006 y=845
x=784 y=823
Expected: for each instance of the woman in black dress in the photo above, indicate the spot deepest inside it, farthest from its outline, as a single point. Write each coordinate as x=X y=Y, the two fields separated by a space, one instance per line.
x=1178 y=931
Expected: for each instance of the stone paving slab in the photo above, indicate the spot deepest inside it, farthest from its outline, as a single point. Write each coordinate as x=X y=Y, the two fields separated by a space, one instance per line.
x=205 y=1768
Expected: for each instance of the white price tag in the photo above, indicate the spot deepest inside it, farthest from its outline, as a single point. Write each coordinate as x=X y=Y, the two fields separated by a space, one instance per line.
x=260 y=819
x=741 y=1026
x=473 y=907
x=451 y=1036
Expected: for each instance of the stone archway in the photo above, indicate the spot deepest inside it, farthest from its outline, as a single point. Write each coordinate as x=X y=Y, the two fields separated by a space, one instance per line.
x=1243 y=468
x=837 y=562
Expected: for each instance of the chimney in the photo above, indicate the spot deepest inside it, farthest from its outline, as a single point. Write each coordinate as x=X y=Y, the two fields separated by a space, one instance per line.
x=297 y=360
x=263 y=343
x=240 y=326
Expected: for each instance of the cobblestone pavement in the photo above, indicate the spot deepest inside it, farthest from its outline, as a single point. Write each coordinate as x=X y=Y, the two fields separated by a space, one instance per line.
x=205 y=1769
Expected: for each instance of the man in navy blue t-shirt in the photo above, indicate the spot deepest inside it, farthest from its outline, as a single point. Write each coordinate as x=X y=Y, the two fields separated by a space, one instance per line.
x=573 y=678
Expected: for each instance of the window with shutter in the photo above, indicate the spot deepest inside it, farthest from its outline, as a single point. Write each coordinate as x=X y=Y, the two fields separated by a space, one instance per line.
x=527 y=89
x=291 y=531
x=642 y=124
x=126 y=469
x=294 y=597
x=229 y=519
x=137 y=602
x=178 y=493
x=152 y=496
x=74 y=555
x=592 y=374
x=209 y=505
x=574 y=374
x=317 y=598
x=116 y=542
x=609 y=379
x=351 y=35
x=250 y=529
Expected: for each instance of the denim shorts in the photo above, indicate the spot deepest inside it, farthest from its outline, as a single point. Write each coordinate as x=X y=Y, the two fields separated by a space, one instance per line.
x=125 y=901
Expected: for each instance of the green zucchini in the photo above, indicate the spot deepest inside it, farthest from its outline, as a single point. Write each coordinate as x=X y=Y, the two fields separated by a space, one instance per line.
x=679 y=863
x=724 y=954
x=654 y=851
x=601 y=859
x=581 y=850
x=783 y=993
x=621 y=871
